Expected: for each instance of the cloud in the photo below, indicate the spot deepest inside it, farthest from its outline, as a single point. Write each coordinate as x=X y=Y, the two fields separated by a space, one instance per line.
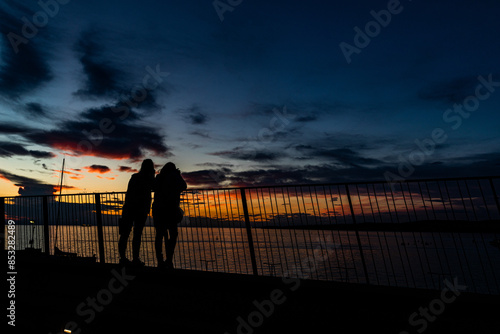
x=9 y=149
x=27 y=69
x=354 y=169
x=119 y=138
x=194 y=115
x=127 y=169
x=72 y=175
x=246 y=154
x=33 y=110
x=344 y=155
x=6 y=128
x=98 y=169
x=214 y=164
x=205 y=178
x=28 y=186
x=101 y=77
x=450 y=91
x=202 y=134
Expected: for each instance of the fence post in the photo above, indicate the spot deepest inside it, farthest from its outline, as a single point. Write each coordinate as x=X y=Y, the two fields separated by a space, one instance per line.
x=2 y=209
x=357 y=234
x=2 y=215
x=46 y=231
x=249 y=231
x=100 y=234
x=495 y=194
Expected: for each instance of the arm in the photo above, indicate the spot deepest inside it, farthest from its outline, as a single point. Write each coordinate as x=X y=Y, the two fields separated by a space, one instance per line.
x=181 y=183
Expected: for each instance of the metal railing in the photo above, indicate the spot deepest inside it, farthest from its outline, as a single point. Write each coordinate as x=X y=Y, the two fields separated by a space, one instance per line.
x=412 y=233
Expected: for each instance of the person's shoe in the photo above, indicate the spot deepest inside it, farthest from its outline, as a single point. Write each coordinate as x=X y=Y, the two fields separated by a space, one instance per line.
x=162 y=265
x=169 y=265
x=137 y=262
x=126 y=262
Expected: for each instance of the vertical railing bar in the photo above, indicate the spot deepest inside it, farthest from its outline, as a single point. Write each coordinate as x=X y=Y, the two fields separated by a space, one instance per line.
x=463 y=200
x=330 y=224
x=484 y=200
x=268 y=230
x=249 y=231
x=280 y=228
x=290 y=230
x=218 y=215
x=395 y=234
x=428 y=219
x=495 y=196
x=307 y=224
x=482 y=236
x=348 y=239
x=201 y=249
x=470 y=198
x=256 y=239
x=357 y=234
x=100 y=235
x=2 y=211
x=404 y=199
x=207 y=203
x=240 y=229
x=46 y=233
x=402 y=238
x=368 y=236
x=262 y=216
x=385 y=237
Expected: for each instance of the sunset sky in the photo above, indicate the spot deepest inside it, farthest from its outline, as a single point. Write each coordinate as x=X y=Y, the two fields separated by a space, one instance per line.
x=254 y=93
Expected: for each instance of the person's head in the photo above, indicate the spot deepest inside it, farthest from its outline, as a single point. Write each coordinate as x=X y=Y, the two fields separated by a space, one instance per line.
x=147 y=167
x=168 y=168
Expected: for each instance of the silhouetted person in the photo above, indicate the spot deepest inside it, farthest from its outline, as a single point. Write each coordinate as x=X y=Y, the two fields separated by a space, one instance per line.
x=168 y=186
x=135 y=210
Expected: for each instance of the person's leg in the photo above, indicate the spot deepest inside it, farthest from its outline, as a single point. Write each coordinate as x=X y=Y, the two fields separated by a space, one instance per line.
x=136 y=242
x=170 y=244
x=160 y=234
x=125 y=227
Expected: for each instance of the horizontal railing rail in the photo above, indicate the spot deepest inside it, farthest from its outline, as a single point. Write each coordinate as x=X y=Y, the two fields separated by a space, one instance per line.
x=411 y=233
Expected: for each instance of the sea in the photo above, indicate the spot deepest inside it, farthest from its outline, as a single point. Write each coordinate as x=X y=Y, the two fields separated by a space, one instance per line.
x=390 y=258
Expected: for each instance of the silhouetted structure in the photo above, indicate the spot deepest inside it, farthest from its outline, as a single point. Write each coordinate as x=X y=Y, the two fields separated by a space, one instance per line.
x=167 y=214
x=135 y=210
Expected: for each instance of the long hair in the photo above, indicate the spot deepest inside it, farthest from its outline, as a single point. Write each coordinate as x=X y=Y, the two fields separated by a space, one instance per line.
x=147 y=167
x=168 y=168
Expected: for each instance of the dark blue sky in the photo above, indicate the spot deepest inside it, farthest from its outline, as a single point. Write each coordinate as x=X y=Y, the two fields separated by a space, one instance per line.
x=267 y=95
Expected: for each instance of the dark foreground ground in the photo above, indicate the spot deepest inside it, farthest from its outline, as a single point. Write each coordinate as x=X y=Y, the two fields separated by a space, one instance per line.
x=94 y=298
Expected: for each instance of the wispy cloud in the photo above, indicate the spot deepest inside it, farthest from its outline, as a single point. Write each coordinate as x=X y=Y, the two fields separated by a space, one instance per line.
x=11 y=149
x=29 y=186
x=248 y=154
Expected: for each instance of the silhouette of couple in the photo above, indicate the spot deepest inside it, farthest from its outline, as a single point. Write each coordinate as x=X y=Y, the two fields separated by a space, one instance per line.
x=167 y=185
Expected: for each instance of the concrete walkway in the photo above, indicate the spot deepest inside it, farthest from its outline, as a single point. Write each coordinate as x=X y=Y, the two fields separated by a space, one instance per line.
x=95 y=298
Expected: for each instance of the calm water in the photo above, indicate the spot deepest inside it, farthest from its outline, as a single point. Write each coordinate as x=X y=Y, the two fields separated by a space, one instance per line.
x=418 y=259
